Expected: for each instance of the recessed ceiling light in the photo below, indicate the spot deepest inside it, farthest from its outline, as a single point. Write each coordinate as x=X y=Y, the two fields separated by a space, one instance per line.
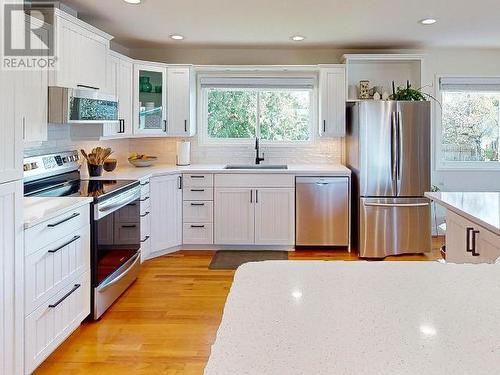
x=428 y=21
x=297 y=38
x=133 y=1
x=176 y=37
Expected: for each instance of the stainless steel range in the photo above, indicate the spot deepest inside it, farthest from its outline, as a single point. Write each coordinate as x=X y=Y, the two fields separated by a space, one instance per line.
x=115 y=220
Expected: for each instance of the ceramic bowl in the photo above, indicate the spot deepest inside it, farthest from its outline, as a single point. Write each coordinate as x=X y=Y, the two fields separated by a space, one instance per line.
x=146 y=161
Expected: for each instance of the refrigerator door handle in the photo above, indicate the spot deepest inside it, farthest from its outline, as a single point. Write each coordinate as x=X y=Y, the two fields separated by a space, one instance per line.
x=422 y=204
x=393 y=146
x=399 y=147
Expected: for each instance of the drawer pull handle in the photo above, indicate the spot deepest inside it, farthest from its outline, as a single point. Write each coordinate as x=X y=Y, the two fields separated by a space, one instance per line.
x=198 y=190
x=145 y=239
x=468 y=240
x=197 y=204
x=65 y=296
x=131 y=204
x=474 y=233
x=64 y=245
x=144 y=183
x=197 y=226
x=145 y=214
x=76 y=214
x=144 y=199
x=197 y=176
x=129 y=226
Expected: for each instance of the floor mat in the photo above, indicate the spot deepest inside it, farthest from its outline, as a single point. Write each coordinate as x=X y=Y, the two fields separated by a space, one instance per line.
x=232 y=259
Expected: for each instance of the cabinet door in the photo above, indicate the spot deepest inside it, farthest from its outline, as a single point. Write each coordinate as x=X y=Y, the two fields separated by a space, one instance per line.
x=234 y=216
x=81 y=56
x=32 y=97
x=125 y=96
x=150 y=103
x=179 y=101
x=332 y=98
x=464 y=239
x=11 y=130
x=11 y=279
x=274 y=216
x=166 y=212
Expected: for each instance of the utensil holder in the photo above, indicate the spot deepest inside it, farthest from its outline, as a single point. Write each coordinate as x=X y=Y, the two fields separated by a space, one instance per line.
x=94 y=170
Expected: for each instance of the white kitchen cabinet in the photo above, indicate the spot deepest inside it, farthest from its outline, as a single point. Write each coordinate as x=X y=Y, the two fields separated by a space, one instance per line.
x=11 y=129
x=332 y=98
x=234 y=216
x=274 y=216
x=81 y=51
x=150 y=99
x=11 y=278
x=467 y=242
x=166 y=213
x=145 y=202
x=181 y=106
x=119 y=78
x=32 y=95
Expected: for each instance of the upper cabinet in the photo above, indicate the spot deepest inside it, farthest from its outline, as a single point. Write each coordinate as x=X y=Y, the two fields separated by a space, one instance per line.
x=81 y=51
x=150 y=99
x=181 y=98
x=164 y=100
x=332 y=98
x=119 y=78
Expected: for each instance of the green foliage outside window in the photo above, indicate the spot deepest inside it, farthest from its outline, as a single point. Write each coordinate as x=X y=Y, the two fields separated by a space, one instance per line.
x=271 y=114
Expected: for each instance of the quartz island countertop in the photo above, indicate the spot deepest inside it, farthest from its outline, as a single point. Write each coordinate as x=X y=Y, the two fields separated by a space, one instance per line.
x=371 y=318
x=135 y=173
x=482 y=208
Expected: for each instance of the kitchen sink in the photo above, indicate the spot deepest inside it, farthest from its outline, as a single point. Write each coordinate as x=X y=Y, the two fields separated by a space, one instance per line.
x=256 y=166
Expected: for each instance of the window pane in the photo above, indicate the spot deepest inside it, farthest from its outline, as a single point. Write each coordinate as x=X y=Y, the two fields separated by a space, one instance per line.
x=470 y=126
x=285 y=115
x=232 y=113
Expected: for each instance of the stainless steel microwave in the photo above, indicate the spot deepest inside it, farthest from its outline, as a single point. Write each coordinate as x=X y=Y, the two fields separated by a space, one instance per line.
x=81 y=106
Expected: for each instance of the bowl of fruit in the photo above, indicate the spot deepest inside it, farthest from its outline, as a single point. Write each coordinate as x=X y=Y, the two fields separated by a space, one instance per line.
x=141 y=160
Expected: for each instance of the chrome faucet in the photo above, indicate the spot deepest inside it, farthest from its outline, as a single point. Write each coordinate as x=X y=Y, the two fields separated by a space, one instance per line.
x=258 y=159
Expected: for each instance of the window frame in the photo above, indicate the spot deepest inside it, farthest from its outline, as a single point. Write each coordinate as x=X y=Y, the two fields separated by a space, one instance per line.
x=442 y=165
x=202 y=110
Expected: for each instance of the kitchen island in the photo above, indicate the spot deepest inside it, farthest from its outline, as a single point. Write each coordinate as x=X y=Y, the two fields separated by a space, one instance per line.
x=472 y=225
x=403 y=318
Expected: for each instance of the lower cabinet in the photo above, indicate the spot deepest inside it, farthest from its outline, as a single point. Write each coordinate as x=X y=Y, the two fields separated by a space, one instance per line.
x=466 y=242
x=51 y=323
x=254 y=216
x=166 y=213
x=57 y=282
x=11 y=278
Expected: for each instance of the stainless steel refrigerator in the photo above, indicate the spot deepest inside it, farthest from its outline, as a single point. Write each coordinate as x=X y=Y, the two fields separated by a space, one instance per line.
x=388 y=151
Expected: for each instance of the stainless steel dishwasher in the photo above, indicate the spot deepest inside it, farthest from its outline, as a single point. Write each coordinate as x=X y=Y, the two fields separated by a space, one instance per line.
x=322 y=211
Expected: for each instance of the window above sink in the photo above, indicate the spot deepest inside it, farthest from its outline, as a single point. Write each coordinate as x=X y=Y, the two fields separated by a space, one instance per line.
x=280 y=108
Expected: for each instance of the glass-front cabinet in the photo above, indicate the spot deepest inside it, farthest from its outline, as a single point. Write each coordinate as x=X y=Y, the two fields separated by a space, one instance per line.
x=150 y=99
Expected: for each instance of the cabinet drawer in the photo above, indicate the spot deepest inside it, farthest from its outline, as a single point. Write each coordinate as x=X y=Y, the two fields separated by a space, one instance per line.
x=254 y=180
x=52 y=230
x=197 y=194
x=49 y=325
x=145 y=226
x=49 y=269
x=198 y=211
x=144 y=187
x=198 y=233
x=198 y=180
x=145 y=207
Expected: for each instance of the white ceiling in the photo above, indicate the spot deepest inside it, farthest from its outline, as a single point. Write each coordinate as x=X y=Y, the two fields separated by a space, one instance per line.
x=336 y=23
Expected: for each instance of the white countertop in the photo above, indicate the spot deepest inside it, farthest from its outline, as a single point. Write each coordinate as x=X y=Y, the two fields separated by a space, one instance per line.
x=39 y=209
x=134 y=173
x=480 y=208
x=383 y=318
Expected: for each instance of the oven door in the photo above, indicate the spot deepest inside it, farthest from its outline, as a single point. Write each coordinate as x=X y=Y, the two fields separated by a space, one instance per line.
x=117 y=239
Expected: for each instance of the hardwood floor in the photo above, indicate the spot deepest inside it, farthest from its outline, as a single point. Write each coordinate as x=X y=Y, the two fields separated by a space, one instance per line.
x=166 y=322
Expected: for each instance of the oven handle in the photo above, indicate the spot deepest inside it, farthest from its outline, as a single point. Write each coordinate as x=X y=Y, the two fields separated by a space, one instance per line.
x=129 y=199
x=136 y=258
